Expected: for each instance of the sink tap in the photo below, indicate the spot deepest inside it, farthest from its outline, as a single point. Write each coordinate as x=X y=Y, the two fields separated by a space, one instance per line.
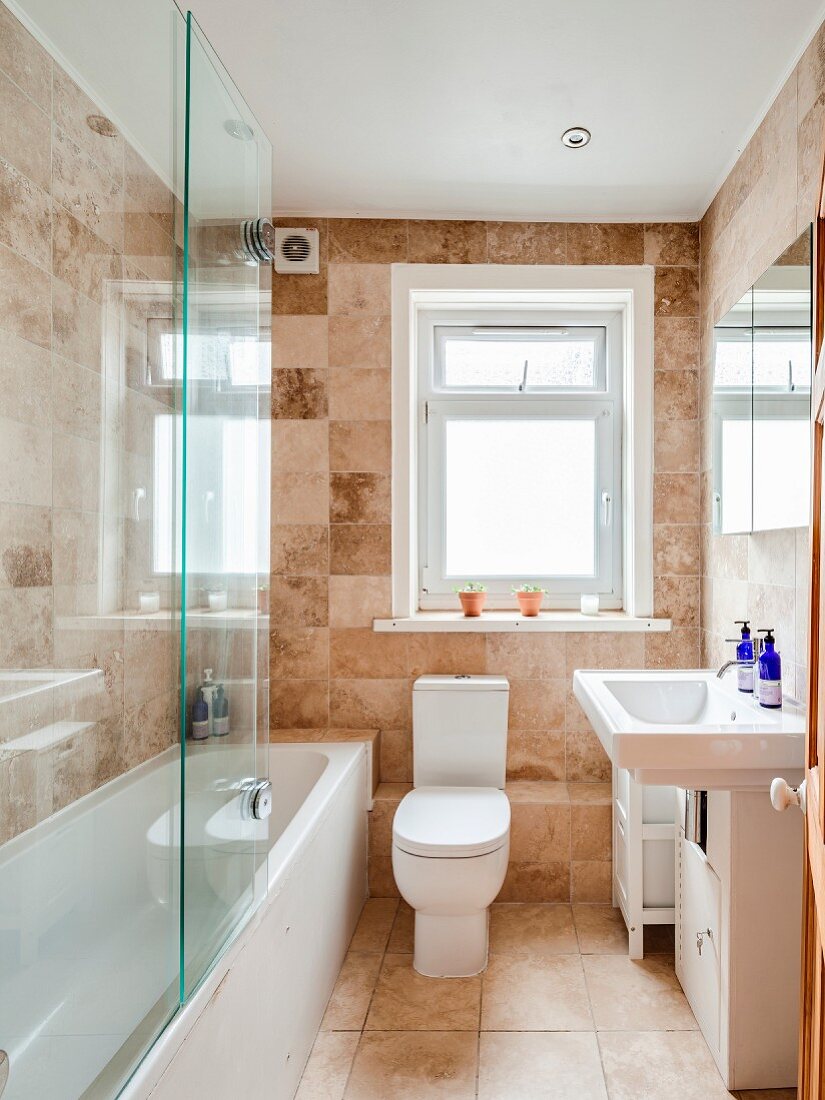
x=736 y=663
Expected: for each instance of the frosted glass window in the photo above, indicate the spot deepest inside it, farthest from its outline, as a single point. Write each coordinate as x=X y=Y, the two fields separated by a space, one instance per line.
x=520 y=498
x=500 y=359
x=780 y=494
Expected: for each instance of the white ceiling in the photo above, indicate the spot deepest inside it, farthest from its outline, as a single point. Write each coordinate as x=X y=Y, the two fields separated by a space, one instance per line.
x=454 y=108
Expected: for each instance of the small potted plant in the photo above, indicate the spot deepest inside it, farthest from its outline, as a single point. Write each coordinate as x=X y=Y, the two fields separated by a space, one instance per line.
x=473 y=596
x=529 y=598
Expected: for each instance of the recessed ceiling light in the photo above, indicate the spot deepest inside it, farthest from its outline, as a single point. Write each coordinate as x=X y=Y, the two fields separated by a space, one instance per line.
x=238 y=129
x=576 y=137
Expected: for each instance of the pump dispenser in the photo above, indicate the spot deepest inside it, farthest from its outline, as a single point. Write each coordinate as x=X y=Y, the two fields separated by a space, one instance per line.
x=744 y=652
x=769 y=689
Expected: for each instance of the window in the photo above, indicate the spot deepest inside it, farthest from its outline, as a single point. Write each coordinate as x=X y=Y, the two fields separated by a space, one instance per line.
x=520 y=455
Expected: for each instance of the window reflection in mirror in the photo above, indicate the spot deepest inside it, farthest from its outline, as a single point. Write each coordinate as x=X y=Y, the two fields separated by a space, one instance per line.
x=761 y=400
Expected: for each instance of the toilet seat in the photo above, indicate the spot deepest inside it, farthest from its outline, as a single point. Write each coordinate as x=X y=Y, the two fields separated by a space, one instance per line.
x=452 y=822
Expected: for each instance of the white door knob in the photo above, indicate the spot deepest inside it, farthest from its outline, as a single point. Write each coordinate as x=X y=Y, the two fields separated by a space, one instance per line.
x=783 y=796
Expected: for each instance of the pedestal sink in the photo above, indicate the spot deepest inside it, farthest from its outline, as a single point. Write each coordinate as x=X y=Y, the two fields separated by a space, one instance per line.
x=690 y=729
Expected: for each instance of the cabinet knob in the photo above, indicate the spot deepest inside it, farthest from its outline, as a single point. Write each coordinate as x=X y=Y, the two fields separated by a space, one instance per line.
x=783 y=795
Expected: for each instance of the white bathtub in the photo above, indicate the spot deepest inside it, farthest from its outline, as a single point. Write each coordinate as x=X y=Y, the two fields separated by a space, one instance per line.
x=89 y=920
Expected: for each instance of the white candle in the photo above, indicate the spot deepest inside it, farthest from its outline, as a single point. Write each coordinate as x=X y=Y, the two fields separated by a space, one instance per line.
x=590 y=605
x=149 y=602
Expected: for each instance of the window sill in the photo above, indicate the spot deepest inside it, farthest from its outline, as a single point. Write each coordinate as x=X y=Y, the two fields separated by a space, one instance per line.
x=453 y=622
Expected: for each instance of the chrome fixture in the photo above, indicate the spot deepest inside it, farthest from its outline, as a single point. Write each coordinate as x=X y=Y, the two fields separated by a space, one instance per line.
x=736 y=663
x=258 y=241
x=237 y=128
x=256 y=799
x=576 y=137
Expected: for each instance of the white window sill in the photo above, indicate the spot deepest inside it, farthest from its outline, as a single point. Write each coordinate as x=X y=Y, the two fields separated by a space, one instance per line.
x=453 y=622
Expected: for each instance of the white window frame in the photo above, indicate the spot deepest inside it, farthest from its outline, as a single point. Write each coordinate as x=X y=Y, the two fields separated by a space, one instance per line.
x=485 y=290
x=600 y=403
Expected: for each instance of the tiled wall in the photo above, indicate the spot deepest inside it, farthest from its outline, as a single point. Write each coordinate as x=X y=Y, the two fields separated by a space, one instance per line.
x=767 y=200
x=331 y=531
x=84 y=226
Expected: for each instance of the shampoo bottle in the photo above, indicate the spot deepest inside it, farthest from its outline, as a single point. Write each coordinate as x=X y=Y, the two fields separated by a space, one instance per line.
x=744 y=652
x=220 y=714
x=769 y=686
x=200 y=719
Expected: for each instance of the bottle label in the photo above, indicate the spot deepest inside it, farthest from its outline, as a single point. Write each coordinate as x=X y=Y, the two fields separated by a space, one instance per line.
x=744 y=679
x=770 y=693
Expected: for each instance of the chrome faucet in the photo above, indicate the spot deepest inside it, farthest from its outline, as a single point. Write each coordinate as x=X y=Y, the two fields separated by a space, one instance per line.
x=736 y=663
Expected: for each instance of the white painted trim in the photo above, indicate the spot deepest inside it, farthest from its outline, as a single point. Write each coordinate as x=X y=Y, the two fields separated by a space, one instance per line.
x=452 y=215
x=629 y=289
x=509 y=622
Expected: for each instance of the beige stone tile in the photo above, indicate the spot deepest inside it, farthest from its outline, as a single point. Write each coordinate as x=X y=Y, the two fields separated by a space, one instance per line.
x=540 y=1066
x=660 y=1065
x=300 y=498
x=300 y=549
x=406 y=1001
x=80 y=258
x=25 y=380
x=299 y=393
x=532 y=929
x=24 y=60
x=676 y=291
x=447 y=654
x=642 y=995
x=367 y=240
x=676 y=648
x=299 y=653
x=71 y=108
x=381 y=878
x=26 y=638
x=396 y=756
x=533 y=993
x=350 y=1000
x=676 y=394
x=25 y=546
x=605 y=243
x=675 y=498
x=539 y=833
x=672 y=243
x=402 y=937
x=299 y=704
x=604 y=650
x=359 y=289
x=676 y=446
x=299 y=342
x=677 y=598
x=360 y=653
x=356 y=601
x=75 y=538
x=76 y=326
x=676 y=343
x=25 y=298
x=374 y=925
x=299 y=601
x=586 y=760
x=360 y=445
x=360 y=342
x=300 y=446
x=359 y=394
x=591 y=832
x=25 y=463
x=537 y=656
x=360 y=549
x=591 y=880
x=25 y=133
x=25 y=216
x=536 y=755
x=414 y=1066
x=369 y=704
x=676 y=549
x=326 y=1073
x=537 y=705
x=77 y=400
x=447 y=242
x=526 y=242
x=533 y=790
x=89 y=193
x=592 y=793
x=600 y=929
x=359 y=498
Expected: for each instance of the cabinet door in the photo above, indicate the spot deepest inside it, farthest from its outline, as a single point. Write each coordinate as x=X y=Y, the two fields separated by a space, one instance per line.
x=700 y=919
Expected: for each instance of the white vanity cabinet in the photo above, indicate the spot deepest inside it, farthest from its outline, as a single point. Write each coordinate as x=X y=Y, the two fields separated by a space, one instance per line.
x=643 y=873
x=738 y=920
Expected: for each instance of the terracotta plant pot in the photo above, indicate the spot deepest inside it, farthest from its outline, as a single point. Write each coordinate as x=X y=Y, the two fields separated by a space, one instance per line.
x=472 y=603
x=530 y=603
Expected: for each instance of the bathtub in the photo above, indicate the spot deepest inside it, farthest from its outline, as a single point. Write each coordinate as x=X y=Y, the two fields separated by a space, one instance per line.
x=89 y=903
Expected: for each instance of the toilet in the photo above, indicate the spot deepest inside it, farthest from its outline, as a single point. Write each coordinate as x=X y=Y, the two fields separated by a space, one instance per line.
x=451 y=833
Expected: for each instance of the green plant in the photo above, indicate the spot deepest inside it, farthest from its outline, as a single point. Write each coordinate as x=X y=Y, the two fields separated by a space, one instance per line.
x=528 y=588
x=471 y=586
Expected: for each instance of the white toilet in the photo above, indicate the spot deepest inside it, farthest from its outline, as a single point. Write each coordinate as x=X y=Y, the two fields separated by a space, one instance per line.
x=451 y=834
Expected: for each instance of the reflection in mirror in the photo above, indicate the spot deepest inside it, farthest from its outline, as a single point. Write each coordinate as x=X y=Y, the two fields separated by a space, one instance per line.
x=761 y=400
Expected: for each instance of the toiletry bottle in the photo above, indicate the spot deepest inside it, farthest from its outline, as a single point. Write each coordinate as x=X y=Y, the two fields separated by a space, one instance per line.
x=220 y=713
x=744 y=652
x=200 y=719
x=769 y=685
x=208 y=689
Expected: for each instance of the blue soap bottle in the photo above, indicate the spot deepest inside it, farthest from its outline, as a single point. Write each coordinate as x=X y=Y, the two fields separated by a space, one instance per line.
x=744 y=652
x=769 y=686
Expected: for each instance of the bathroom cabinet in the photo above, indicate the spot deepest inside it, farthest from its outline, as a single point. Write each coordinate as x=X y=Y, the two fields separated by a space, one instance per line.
x=738 y=920
x=643 y=871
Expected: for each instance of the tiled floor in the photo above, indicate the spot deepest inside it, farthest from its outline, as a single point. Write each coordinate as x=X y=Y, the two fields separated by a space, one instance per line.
x=561 y=1013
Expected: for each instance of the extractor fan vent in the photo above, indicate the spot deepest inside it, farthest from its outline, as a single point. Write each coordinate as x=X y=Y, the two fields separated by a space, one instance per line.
x=296 y=251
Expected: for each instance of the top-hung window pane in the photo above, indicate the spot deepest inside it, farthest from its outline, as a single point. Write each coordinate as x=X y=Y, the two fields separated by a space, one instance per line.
x=507 y=359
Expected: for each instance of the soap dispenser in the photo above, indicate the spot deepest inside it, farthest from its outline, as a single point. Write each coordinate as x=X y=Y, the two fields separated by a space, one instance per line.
x=769 y=688
x=208 y=690
x=744 y=652
x=220 y=724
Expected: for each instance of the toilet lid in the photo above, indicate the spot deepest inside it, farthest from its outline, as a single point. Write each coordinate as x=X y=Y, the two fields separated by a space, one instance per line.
x=452 y=821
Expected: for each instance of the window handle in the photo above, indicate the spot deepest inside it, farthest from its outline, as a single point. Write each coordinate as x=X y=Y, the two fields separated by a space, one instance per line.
x=523 y=385
x=607 y=509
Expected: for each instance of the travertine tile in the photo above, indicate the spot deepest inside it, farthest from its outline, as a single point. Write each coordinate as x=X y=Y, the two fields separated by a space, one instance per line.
x=676 y=343
x=672 y=243
x=25 y=546
x=25 y=133
x=25 y=463
x=530 y=929
x=604 y=243
x=630 y=995
x=360 y=653
x=406 y=1001
x=660 y=1065
x=356 y=601
x=299 y=601
x=414 y=1066
x=367 y=240
x=369 y=704
x=675 y=498
x=300 y=549
x=676 y=291
x=359 y=289
x=539 y=833
x=25 y=216
x=536 y=754
x=299 y=653
x=590 y=832
x=359 y=395
x=600 y=929
x=540 y=1066
x=447 y=654
x=25 y=298
x=359 y=498
x=676 y=549
x=360 y=342
x=447 y=242
x=533 y=993
x=299 y=394
x=676 y=394
x=402 y=938
x=537 y=704
x=360 y=445
x=374 y=925
x=299 y=342
x=328 y=1068
x=24 y=60
x=396 y=756
x=526 y=242
x=350 y=1000
x=591 y=880
x=363 y=549
x=25 y=380
x=300 y=498
x=677 y=598
x=676 y=446
x=300 y=446
x=585 y=759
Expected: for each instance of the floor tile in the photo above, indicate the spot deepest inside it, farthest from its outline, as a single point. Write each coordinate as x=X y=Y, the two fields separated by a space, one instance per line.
x=530 y=993
x=660 y=1065
x=406 y=1001
x=374 y=925
x=327 y=1070
x=347 y=1008
x=417 y=1065
x=402 y=937
x=600 y=929
x=636 y=996
x=529 y=929
x=540 y=1066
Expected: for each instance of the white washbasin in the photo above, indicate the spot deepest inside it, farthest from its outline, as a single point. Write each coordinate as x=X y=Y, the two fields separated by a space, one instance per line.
x=691 y=729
